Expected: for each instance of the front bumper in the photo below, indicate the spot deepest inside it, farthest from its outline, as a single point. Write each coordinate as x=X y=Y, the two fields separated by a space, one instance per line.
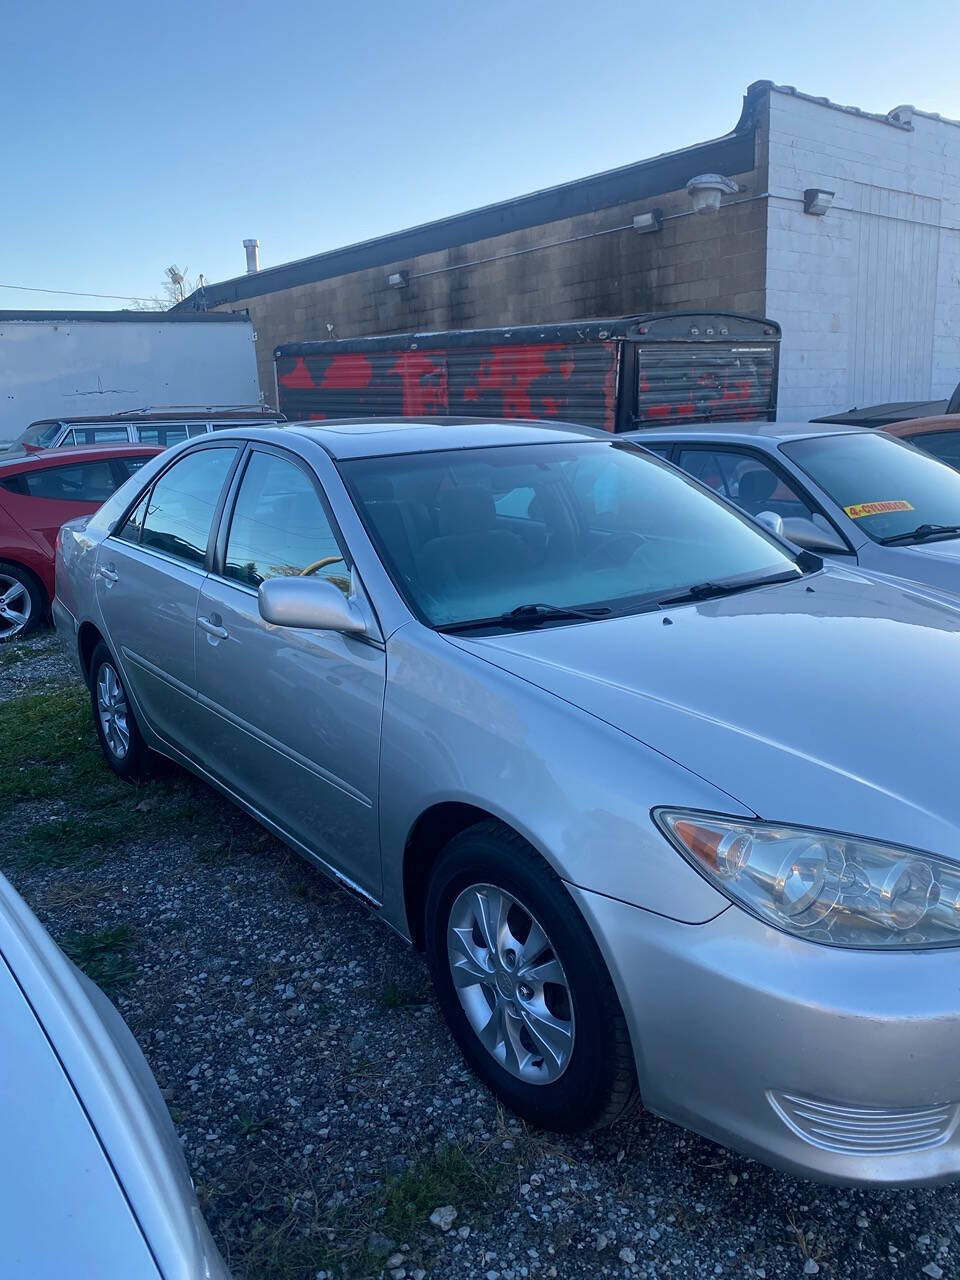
x=838 y=1065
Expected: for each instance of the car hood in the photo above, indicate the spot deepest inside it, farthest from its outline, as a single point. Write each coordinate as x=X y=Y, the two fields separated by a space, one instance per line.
x=831 y=701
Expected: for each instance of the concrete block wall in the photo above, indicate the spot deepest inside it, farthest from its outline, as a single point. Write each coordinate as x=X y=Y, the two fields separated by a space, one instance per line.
x=526 y=277
x=868 y=295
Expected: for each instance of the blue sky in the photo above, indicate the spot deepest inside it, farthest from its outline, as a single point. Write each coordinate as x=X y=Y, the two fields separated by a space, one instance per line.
x=136 y=135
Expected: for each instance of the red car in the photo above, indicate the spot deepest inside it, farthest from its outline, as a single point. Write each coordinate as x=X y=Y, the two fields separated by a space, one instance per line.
x=38 y=492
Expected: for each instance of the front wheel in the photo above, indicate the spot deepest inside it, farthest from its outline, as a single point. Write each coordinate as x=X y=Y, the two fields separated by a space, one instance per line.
x=523 y=986
x=119 y=736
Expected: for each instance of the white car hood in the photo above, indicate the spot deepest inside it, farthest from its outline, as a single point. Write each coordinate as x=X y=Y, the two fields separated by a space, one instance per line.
x=833 y=701
x=62 y=1211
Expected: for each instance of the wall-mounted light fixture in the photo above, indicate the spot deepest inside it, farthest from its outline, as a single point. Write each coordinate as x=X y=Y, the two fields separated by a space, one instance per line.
x=650 y=221
x=399 y=279
x=706 y=189
x=816 y=201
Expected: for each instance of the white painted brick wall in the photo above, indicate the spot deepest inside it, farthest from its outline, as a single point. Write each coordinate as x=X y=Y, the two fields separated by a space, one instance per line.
x=867 y=314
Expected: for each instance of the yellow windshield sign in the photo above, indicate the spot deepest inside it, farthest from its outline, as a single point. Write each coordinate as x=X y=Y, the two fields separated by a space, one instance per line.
x=861 y=509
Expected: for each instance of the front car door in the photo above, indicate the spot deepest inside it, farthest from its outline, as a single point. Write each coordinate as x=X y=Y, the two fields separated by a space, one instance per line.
x=149 y=574
x=292 y=716
x=753 y=482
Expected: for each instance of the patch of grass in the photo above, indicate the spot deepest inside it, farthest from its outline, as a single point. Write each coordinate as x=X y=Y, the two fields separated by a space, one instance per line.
x=65 y=842
x=446 y=1177
x=49 y=753
x=104 y=955
x=41 y=734
x=399 y=995
x=344 y=1242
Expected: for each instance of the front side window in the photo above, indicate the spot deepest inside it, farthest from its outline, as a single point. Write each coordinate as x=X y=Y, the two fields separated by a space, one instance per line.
x=182 y=504
x=280 y=528
x=746 y=480
x=944 y=445
x=77 y=482
x=607 y=527
x=888 y=488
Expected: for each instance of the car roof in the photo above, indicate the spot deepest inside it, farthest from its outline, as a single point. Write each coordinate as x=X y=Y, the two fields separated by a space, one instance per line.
x=916 y=426
x=770 y=433
x=36 y=460
x=383 y=437
x=167 y=413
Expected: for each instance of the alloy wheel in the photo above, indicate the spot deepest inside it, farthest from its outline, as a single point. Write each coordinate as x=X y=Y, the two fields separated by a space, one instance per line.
x=112 y=709
x=15 y=606
x=511 y=984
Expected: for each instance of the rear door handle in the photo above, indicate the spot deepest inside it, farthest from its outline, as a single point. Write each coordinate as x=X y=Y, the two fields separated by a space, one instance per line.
x=111 y=575
x=211 y=628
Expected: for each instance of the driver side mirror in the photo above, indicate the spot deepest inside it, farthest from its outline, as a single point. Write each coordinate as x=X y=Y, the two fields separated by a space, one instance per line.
x=804 y=533
x=312 y=603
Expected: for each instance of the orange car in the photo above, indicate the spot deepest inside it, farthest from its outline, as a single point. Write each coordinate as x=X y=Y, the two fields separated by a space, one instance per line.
x=939 y=436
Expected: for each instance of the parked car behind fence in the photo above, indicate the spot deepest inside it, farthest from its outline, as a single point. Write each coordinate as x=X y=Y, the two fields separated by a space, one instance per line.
x=161 y=426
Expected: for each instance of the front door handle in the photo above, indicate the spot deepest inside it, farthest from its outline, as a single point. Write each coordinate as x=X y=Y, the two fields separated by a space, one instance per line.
x=110 y=574
x=212 y=629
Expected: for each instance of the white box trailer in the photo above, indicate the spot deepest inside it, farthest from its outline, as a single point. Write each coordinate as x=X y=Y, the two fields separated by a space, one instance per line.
x=56 y=364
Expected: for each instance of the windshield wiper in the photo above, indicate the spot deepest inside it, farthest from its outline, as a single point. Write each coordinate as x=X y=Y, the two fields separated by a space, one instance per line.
x=922 y=532
x=709 y=590
x=527 y=615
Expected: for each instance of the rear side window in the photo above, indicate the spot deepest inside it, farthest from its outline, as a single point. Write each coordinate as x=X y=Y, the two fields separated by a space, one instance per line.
x=74 y=482
x=163 y=433
x=182 y=504
x=127 y=466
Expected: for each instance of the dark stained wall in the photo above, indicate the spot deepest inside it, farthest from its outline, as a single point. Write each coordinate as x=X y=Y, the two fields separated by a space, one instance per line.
x=581 y=267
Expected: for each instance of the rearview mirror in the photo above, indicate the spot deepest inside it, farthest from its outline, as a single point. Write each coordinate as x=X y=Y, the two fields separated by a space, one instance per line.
x=812 y=537
x=309 y=602
x=770 y=520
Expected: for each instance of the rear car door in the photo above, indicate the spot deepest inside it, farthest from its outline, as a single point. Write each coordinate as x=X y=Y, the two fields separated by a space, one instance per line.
x=41 y=499
x=149 y=574
x=292 y=716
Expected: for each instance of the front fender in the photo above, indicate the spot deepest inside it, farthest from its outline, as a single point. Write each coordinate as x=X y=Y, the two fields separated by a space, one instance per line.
x=580 y=791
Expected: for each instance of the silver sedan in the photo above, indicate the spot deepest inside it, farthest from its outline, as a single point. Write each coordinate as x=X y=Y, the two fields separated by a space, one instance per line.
x=93 y=1182
x=666 y=803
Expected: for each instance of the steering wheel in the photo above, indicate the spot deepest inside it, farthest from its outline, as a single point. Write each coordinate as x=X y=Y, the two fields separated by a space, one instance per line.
x=318 y=564
x=616 y=550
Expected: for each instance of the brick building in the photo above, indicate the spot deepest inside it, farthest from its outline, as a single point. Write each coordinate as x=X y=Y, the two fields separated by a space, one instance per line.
x=862 y=271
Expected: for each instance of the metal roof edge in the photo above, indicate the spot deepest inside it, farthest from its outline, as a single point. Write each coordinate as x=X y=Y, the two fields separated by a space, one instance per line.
x=732 y=152
x=135 y=317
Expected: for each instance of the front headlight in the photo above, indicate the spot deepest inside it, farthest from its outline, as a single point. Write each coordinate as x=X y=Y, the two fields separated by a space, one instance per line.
x=822 y=886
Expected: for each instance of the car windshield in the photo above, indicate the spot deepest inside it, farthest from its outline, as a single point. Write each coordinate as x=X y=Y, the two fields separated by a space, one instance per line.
x=472 y=534
x=39 y=433
x=889 y=488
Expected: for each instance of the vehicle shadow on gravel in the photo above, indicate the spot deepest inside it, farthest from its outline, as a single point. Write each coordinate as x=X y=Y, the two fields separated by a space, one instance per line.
x=325 y=1112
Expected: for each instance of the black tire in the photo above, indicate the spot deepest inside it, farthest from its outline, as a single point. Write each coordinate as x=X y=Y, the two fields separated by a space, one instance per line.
x=131 y=764
x=33 y=594
x=599 y=1083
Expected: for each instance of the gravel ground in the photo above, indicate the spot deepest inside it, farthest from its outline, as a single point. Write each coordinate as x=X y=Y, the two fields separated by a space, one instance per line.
x=326 y=1114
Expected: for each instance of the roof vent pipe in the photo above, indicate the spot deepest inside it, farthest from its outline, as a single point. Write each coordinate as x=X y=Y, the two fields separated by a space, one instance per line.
x=253 y=256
